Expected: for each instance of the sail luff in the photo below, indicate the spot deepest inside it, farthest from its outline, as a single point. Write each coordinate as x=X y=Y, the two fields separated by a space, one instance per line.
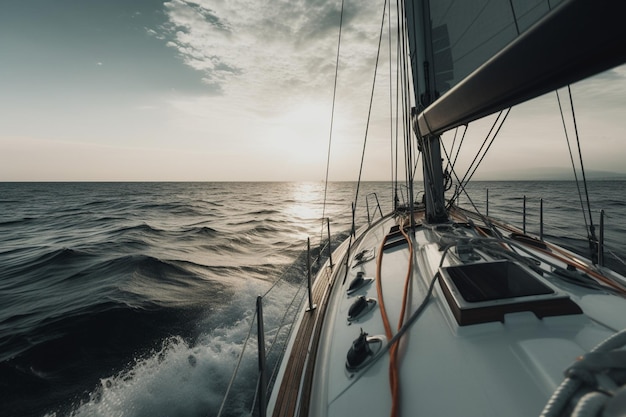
x=578 y=39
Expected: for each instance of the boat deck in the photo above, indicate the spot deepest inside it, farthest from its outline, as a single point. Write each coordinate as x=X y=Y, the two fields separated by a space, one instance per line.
x=301 y=361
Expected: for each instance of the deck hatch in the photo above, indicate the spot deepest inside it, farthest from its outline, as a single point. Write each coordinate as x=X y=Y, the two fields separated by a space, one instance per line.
x=486 y=292
x=495 y=281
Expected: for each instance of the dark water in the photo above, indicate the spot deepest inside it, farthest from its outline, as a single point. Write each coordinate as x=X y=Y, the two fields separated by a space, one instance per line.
x=135 y=299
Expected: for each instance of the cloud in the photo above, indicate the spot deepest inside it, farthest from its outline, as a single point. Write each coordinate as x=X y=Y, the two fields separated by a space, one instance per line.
x=261 y=49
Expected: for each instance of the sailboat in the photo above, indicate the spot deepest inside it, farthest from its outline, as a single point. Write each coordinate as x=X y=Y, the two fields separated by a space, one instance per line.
x=434 y=310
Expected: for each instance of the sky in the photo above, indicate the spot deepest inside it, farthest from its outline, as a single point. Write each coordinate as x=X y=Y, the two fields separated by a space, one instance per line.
x=180 y=90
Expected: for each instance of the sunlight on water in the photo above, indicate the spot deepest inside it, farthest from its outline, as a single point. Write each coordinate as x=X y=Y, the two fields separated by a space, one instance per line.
x=305 y=201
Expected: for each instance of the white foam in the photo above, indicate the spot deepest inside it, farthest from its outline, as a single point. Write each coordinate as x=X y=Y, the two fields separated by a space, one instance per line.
x=190 y=380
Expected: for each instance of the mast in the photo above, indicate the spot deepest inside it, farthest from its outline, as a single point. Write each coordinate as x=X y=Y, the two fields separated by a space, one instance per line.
x=422 y=56
x=473 y=59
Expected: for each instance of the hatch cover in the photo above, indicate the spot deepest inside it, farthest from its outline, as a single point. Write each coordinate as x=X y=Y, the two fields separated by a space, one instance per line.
x=485 y=292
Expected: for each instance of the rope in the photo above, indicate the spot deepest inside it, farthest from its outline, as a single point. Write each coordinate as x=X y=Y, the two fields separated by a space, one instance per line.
x=393 y=367
x=405 y=327
x=394 y=378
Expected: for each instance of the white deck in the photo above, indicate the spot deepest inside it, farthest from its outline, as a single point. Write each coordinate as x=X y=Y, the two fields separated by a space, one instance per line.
x=490 y=369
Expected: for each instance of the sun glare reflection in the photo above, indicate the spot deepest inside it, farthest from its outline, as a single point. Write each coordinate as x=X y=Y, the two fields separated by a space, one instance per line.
x=305 y=203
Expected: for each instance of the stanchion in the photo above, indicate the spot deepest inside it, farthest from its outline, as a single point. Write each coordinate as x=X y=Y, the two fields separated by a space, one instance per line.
x=261 y=344
x=308 y=274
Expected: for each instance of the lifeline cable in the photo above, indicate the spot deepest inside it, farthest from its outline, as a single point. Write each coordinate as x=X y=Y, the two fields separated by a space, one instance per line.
x=232 y=379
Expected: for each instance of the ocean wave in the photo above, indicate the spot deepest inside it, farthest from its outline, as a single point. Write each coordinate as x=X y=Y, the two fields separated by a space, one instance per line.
x=264 y=212
x=68 y=283
x=37 y=263
x=81 y=346
x=186 y=377
x=202 y=231
x=17 y=222
x=142 y=228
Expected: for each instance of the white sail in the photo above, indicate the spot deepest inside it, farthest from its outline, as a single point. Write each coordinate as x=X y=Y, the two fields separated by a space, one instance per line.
x=466 y=34
x=481 y=57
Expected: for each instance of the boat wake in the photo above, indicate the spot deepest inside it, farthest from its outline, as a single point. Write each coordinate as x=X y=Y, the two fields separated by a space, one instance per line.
x=188 y=376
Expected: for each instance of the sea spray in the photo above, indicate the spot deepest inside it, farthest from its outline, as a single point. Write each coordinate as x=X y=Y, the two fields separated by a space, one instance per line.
x=185 y=378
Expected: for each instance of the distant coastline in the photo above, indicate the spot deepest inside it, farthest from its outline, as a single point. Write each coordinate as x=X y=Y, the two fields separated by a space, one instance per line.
x=539 y=174
x=549 y=174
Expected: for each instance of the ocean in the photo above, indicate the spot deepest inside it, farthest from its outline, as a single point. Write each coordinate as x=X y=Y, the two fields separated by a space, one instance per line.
x=136 y=299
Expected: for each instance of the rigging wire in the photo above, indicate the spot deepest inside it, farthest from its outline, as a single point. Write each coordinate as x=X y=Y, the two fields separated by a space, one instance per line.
x=398 y=60
x=582 y=166
x=591 y=235
x=332 y=118
x=474 y=164
x=456 y=157
x=489 y=146
x=369 y=113
x=495 y=122
x=456 y=131
x=405 y=68
x=571 y=157
x=358 y=185
x=390 y=102
x=459 y=189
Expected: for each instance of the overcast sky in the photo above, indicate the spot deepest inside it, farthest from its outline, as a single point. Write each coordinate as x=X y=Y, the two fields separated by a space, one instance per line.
x=233 y=90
